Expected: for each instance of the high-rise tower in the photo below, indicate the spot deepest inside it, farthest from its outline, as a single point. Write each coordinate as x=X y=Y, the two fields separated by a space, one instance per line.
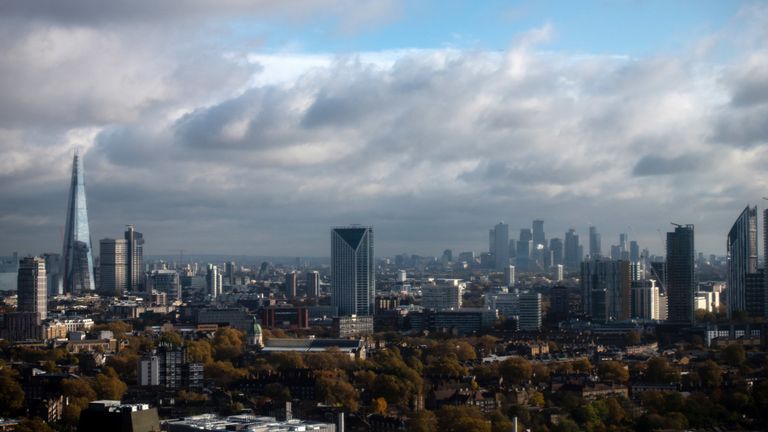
x=742 y=258
x=501 y=246
x=353 y=281
x=113 y=266
x=595 y=244
x=33 y=287
x=681 y=278
x=135 y=262
x=77 y=272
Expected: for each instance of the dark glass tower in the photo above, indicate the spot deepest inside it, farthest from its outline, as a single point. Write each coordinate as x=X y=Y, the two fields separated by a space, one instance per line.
x=77 y=272
x=135 y=262
x=681 y=279
x=742 y=258
x=353 y=281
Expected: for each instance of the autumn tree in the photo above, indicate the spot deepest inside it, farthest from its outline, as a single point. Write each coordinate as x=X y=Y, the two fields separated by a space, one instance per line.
x=462 y=419
x=200 y=351
x=613 y=371
x=380 y=405
x=11 y=393
x=734 y=355
x=337 y=392
x=109 y=386
x=223 y=372
x=287 y=360
x=423 y=421
x=710 y=374
x=515 y=370
x=80 y=393
x=35 y=424
x=228 y=344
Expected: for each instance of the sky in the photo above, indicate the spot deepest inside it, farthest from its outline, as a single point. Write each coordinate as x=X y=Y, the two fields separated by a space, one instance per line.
x=250 y=127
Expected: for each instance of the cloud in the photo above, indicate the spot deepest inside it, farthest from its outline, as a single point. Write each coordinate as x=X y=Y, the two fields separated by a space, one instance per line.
x=217 y=150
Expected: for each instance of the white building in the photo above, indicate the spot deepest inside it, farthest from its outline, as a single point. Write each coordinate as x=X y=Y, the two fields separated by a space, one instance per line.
x=645 y=300
x=529 y=317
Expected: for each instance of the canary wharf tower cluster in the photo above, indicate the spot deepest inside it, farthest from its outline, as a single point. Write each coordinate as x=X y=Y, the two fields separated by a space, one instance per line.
x=77 y=256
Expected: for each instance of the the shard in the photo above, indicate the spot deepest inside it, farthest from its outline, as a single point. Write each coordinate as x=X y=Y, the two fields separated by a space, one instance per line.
x=77 y=264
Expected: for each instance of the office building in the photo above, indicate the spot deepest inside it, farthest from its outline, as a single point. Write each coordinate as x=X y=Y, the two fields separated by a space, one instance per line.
x=352 y=326
x=53 y=273
x=506 y=304
x=213 y=281
x=572 y=257
x=165 y=281
x=559 y=272
x=501 y=246
x=248 y=422
x=291 y=284
x=645 y=300
x=135 y=262
x=169 y=367
x=442 y=296
x=77 y=255
x=754 y=294
x=313 y=284
x=634 y=251
x=353 y=281
x=742 y=258
x=33 y=287
x=681 y=280
x=529 y=317
x=509 y=276
x=595 y=243
x=111 y=415
x=559 y=303
x=113 y=266
x=605 y=288
x=556 y=248
x=231 y=269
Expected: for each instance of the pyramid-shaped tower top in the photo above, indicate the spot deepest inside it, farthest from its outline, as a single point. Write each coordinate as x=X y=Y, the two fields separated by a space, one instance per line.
x=77 y=252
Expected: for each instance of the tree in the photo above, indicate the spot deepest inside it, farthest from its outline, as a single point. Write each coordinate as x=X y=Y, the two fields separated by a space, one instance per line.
x=537 y=399
x=462 y=419
x=616 y=413
x=391 y=388
x=613 y=371
x=710 y=374
x=658 y=371
x=125 y=364
x=423 y=421
x=676 y=421
x=582 y=365
x=500 y=422
x=11 y=393
x=80 y=394
x=380 y=406
x=228 y=344
x=515 y=370
x=35 y=424
x=172 y=338
x=109 y=386
x=338 y=392
x=287 y=360
x=566 y=425
x=734 y=355
x=223 y=372
x=200 y=351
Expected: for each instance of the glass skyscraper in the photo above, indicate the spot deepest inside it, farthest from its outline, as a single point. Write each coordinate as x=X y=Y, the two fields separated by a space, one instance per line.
x=353 y=282
x=77 y=261
x=681 y=278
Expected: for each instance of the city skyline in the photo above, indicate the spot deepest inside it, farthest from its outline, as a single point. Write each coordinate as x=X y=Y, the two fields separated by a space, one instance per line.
x=221 y=143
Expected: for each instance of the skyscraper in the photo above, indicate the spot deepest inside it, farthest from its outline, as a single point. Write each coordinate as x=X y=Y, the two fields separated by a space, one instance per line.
x=681 y=281
x=556 y=246
x=113 y=266
x=538 y=236
x=33 y=287
x=353 y=281
x=313 y=284
x=291 y=282
x=213 y=281
x=572 y=259
x=501 y=246
x=742 y=258
x=595 y=243
x=606 y=292
x=52 y=273
x=78 y=252
x=135 y=262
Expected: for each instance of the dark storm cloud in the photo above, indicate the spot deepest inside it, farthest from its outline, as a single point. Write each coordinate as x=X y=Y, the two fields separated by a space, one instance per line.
x=650 y=165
